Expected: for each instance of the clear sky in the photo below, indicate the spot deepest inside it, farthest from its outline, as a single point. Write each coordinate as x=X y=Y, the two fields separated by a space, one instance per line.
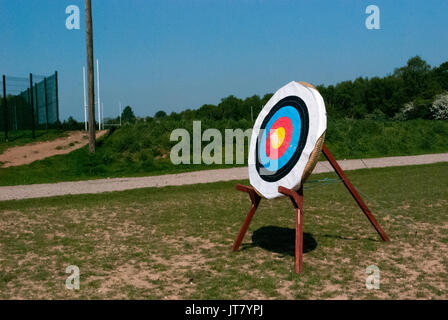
x=172 y=55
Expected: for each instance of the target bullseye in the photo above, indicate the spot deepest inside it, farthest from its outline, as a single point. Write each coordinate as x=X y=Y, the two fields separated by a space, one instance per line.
x=277 y=137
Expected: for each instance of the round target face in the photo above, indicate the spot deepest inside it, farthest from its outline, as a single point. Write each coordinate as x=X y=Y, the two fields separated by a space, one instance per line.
x=282 y=138
x=285 y=133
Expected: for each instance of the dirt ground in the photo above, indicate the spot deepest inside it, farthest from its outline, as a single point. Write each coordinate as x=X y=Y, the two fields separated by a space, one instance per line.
x=173 y=244
x=18 y=156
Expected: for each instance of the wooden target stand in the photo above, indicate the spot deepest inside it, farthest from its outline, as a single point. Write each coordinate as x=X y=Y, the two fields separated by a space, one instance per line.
x=296 y=198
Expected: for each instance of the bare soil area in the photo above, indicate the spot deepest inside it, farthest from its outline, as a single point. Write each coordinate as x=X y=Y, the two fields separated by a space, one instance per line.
x=21 y=155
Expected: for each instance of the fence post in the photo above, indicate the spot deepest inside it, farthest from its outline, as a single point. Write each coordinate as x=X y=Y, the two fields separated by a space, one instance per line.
x=5 y=106
x=57 y=95
x=28 y=102
x=32 y=105
x=15 y=114
x=46 y=102
x=37 y=105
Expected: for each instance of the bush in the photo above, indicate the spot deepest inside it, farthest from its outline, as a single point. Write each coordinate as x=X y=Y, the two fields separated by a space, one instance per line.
x=439 y=108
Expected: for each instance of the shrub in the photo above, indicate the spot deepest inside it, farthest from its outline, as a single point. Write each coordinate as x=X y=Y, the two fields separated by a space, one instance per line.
x=439 y=108
x=404 y=112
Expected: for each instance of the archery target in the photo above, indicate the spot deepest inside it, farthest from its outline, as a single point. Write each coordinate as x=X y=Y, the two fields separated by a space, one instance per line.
x=286 y=132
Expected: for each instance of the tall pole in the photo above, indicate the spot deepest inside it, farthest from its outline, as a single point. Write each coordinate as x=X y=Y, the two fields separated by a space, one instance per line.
x=85 y=98
x=57 y=95
x=46 y=103
x=90 y=79
x=98 y=86
x=37 y=105
x=5 y=106
x=120 y=112
x=32 y=106
x=102 y=114
x=15 y=115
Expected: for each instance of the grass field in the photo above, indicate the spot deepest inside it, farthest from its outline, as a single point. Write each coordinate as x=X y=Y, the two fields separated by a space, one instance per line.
x=175 y=242
x=143 y=149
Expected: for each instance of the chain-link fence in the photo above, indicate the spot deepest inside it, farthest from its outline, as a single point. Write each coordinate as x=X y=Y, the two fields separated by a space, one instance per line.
x=28 y=103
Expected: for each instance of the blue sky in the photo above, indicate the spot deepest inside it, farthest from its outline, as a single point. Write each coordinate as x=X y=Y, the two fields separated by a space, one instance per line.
x=172 y=55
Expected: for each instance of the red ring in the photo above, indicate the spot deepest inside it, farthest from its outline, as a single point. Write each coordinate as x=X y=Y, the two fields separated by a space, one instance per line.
x=286 y=123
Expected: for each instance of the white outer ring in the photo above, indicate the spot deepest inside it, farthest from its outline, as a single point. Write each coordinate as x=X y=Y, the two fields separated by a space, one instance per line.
x=317 y=126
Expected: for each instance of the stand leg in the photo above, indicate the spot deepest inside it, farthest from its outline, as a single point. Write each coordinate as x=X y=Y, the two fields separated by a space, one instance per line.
x=297 y=201
x=255 y=198
x=354 y=193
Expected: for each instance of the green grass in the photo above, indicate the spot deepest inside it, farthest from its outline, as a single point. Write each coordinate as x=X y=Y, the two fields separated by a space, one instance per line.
x=353 y=139
x=175 y=242
x=23 y=137
x=144 y=148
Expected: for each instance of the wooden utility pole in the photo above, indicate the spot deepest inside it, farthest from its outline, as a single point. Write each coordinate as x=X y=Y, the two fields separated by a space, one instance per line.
x=90 y=84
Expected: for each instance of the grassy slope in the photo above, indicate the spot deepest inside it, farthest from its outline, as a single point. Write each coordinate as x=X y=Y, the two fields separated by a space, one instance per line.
x=175 y=242
x=139 y=150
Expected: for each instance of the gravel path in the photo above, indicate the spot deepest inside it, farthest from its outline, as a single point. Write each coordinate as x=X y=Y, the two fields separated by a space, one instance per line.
x=205 y=176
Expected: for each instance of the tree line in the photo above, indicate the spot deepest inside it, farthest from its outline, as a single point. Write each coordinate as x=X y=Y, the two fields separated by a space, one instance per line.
x=408 y=93
x=413 y=91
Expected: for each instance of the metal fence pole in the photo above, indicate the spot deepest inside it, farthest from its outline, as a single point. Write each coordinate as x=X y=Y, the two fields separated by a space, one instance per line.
x=5 y=106
x=26 y=106
x=36 y=119
x=32 y=106
x=57 y=95
x=46 y=102
x=15 y=114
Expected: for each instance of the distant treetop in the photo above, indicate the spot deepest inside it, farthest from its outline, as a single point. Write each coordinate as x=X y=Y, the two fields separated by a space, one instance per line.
x=160 y=114
x=128 y=115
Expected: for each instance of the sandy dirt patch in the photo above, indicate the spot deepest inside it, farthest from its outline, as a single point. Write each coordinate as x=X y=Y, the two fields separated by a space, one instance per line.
x=18 y=156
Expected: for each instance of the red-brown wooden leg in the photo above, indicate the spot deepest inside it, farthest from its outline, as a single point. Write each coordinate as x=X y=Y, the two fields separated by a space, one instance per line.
x=297 y=201
x=299 y=232
x=354 y=193
x=255 y=198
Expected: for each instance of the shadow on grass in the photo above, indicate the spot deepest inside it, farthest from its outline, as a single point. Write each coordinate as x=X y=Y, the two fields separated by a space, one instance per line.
x=280 y=240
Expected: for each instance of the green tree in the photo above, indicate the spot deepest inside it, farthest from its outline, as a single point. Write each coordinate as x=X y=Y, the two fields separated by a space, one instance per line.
x=415 y=76
x=160 y=114
x=128 y=115
x=230 y=107
x=441 y=75
x=71 y=124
